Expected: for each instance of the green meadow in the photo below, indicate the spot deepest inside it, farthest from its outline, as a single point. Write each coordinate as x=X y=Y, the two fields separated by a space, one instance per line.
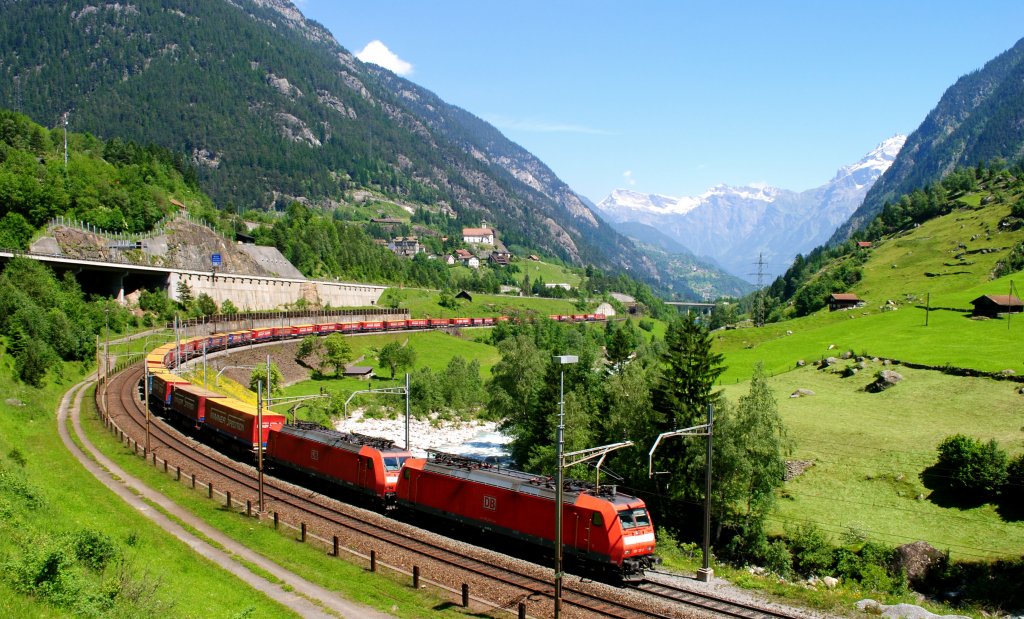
x=869 y=450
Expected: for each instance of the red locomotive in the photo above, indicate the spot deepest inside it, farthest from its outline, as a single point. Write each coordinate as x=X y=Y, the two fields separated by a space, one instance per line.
x=367 y=464
x=607 y=530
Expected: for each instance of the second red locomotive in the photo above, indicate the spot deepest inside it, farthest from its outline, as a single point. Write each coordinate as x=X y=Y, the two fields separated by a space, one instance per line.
x=601 y=527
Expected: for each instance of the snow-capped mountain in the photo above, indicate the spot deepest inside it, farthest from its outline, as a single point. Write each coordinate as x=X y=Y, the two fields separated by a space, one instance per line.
x=736 y=225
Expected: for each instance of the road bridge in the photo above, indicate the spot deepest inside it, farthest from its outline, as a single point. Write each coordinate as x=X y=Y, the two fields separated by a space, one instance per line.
x=247 y=292
x=700 y=308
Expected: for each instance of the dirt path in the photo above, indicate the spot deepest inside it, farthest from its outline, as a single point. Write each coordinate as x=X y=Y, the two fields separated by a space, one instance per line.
x=302 y=596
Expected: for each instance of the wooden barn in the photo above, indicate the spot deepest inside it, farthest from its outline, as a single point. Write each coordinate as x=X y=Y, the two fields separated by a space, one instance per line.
x=991 y=305
x=843 y=300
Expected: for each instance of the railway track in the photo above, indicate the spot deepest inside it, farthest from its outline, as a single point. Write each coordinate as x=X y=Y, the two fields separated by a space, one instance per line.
x=506 y=582
x=710 y=603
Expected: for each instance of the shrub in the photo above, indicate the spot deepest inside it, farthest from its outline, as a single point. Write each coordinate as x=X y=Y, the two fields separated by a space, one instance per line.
x=1014 y=486
x=812 y=552
x=93 y=548
x=972 y=466
x=778 y=559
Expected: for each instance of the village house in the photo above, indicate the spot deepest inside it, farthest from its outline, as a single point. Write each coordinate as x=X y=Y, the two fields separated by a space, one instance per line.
x=467 y=258
x=843 y=300
x=405 y=246
x=991 y=305
x=500 y=258
x=483 y=236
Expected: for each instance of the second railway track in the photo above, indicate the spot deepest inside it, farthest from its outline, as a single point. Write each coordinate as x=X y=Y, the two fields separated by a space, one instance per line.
x=503 y=581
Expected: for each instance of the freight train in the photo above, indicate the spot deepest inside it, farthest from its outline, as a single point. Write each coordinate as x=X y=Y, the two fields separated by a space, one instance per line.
x=605 y=530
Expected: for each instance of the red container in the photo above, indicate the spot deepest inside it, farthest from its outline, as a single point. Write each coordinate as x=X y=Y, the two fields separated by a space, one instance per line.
x=161 y=384
x=461 y=322
x=238 y=338
x=189 y=401
x=350 y=327
x=327 y=327
x=281 y=333
x=396 y=324
x=262 y=334
x=371 y=325
x=418 y=323
x=366 y=464
x=302 y=330
x=439 y=322
x=599 y=316
x=236 y=421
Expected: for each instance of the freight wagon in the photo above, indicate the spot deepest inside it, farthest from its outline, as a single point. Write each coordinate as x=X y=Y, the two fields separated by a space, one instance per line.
x=161 y=385
x=235 y=421
x=188 y=402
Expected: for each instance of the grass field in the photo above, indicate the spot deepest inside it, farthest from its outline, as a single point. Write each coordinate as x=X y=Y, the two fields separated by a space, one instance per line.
x=68 y=499
x=870 y=450
x=943 y=265
x=383 y=590
x=422 y=303
x=434 y=349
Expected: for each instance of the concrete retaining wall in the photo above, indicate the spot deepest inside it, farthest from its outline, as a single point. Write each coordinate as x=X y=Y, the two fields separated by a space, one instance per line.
x=250 y=292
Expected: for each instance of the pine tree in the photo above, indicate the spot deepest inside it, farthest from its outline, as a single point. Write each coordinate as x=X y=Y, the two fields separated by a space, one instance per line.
x=681 y=396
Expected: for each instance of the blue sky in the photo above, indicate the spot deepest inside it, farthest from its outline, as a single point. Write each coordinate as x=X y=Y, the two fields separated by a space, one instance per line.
x=673 y=97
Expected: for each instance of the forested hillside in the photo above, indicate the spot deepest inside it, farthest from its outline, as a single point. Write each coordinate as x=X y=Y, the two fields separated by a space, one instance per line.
x=114 y=185
x=995 y=190
x=271 y=109
x=977 y=120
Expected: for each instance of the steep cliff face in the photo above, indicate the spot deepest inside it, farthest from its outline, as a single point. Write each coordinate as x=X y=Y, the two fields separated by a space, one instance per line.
x=181 y=244
x=979 y=119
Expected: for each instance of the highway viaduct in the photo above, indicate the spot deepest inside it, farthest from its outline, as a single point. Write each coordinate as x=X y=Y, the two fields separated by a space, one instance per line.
x=246 y=292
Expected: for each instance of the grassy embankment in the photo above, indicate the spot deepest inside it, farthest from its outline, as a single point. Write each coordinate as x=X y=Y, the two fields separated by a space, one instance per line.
x=384 y=590
x=422 y=303
x=51 y=497
x=871 y=449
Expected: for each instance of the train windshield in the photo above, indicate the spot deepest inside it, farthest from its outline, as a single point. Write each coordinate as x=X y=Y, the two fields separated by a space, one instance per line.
x=394 y=463
x=632 y=518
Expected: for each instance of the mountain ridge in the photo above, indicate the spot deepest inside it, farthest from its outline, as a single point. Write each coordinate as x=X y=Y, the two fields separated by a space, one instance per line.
x=738 y=226
x=977 y=120
x=272 y=109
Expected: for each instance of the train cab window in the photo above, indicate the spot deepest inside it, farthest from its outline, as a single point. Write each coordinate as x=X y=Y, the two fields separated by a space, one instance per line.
x=394 y=463
x=597 y=519
x=632 y=518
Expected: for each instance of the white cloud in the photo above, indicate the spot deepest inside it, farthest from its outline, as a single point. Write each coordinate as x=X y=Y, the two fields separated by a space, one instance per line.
x=377 y=53
x=628 y=175
x=541 y=126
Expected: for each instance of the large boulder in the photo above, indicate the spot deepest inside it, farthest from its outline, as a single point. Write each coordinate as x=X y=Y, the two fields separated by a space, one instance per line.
x=917 y=560
x=884 y=380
